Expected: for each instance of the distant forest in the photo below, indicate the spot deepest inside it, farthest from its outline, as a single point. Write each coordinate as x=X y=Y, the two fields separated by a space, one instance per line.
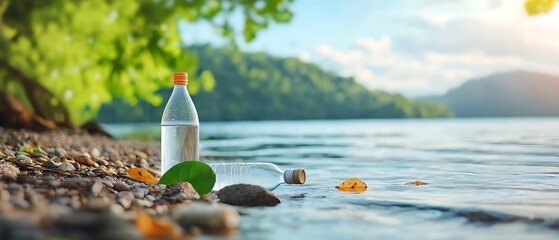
x=257 y=86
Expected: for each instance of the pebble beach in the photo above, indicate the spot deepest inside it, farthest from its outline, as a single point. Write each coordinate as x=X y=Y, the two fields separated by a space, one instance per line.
x=76 y=187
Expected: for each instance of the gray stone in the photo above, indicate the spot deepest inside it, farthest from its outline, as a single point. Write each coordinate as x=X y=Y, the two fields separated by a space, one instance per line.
x=96 y=188
x=19 y=202
x=24 y=159
x=140 y=192
x=8 y=172
x=119 y=164
x=247 y=195
x=125 y=203
x=120 y=186
x=66 y=166
x=126 y=195
x=22 y=178
x=142 y=203
x=50 y=164
x=150 y=198
x=95 y=152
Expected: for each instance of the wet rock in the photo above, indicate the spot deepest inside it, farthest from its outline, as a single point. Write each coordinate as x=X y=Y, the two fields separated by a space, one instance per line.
x=247 y=195
x=66 y=166
x=8 y=172
x=24 y=159
x=213 y=218
x=120 y=186
x=140 y=192
x=50 y=164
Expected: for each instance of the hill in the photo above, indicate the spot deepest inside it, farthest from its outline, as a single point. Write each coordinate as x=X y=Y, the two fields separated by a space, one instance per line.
x=257 y=86
x=518 y=93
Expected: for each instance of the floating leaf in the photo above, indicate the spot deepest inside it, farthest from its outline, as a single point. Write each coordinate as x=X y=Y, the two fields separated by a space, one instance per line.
x=156 y=228
x=142 y=175
x=32 y=150
x=198 y=174
x=352 y=185
x=416 y=183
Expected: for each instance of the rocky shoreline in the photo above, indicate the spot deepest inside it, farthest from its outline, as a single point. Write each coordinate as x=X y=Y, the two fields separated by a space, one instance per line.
x=75 y=185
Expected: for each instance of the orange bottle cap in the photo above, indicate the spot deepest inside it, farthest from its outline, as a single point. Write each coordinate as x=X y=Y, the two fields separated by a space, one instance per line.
x=180 y=78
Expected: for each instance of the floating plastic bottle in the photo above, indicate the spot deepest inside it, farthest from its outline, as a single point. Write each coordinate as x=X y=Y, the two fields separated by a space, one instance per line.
x=179 y=126
x=266 y=175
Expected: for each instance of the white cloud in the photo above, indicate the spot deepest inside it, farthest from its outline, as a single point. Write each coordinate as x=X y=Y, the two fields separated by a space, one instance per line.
x=446 y=45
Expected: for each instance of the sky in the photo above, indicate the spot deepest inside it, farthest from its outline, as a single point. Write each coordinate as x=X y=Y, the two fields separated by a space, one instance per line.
x=417 y=48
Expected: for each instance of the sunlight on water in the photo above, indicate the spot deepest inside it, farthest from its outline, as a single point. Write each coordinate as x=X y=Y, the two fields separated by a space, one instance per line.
x=482 y=174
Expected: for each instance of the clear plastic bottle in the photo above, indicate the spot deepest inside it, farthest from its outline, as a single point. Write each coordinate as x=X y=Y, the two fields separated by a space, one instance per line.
x=267 y=175
x=179 y=126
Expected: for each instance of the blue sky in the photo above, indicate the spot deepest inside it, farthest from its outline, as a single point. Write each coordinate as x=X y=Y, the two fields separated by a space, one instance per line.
x=417 y=48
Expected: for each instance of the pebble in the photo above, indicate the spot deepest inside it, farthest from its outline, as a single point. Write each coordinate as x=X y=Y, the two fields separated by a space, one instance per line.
x=96 y=188
x=126 y=195
x=117 y=209
x=8 y=152
x=119 y=164
x=247 y=195
x=66 y=166
x=84 y=158
x=102 y=162
x=140 y=192
x=142 y=203
x=213 y=218
x=24 y=159
x=8 y=172
x=22 y=178
x=50 y=164
x=120 y=186
x=125 y=203
x=150 y=198
x=48 y=178
x=77 y=183
x=95 y=152
x=19 y=202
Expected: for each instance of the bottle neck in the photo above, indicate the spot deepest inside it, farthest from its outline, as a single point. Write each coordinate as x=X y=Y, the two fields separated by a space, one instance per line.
x=180 y=88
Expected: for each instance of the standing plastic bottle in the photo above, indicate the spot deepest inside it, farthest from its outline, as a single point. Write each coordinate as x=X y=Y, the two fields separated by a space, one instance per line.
x=179 y=126
x=266 y=175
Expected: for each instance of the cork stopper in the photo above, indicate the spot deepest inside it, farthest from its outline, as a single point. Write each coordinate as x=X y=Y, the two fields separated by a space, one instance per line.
x=180 y=78
x=295 y=176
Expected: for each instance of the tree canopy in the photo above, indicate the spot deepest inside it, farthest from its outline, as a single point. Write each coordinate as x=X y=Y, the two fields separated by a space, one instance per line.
x=67 y=58
x=535 y=7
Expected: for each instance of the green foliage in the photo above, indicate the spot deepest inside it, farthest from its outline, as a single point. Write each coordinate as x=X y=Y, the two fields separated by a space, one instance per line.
x=256 y=86
x=87 y=52
x=536 y=7
x=199 y=174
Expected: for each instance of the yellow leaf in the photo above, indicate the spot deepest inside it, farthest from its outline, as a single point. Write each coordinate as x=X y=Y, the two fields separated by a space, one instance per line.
x=156 y=228
x=417 y=183
x=142 y=175
x=352 y=185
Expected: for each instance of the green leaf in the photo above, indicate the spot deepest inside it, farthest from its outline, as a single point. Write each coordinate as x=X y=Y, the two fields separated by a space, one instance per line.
x=199 y=174
x=32 y=150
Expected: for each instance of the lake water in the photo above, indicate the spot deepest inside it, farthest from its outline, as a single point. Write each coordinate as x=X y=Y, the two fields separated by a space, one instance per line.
x=488 y=178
